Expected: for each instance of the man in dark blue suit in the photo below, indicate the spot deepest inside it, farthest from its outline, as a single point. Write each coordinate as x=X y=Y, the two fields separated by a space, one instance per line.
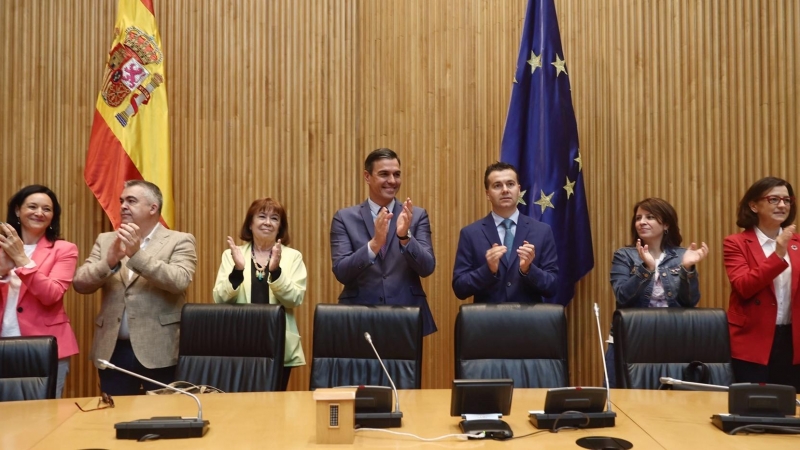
x=505 y=257
x=382 y=247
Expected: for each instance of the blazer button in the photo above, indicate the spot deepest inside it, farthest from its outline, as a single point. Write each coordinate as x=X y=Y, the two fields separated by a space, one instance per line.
x=508 y=284
x=119 y=319
x=669 y=294
x=758 y=302
x=664 y=274
x=19 y=309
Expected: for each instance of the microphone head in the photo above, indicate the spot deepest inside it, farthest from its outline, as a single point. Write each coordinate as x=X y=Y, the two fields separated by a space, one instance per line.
x=102 y=364
x=666 y=380
x=367 y=336
x=596 y=309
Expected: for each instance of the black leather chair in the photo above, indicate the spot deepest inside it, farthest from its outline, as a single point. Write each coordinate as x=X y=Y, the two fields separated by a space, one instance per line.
x=236 y=348
x=28 y=368
x=650 y=343
x=524 y=342
x=343 y=357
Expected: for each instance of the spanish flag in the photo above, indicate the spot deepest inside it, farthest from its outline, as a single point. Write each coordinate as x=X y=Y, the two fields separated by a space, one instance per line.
x=130 y=134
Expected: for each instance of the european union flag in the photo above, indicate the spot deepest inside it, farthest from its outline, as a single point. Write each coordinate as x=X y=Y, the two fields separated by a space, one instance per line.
x=541 y=141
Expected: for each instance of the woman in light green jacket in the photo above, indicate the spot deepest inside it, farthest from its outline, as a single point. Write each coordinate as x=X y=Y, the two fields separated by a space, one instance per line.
x=264 y=270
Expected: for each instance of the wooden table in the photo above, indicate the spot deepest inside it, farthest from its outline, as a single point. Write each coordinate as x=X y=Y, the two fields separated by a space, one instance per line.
x=648 y=419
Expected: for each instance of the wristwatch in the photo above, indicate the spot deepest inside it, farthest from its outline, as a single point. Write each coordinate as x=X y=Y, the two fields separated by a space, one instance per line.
x=406 y=237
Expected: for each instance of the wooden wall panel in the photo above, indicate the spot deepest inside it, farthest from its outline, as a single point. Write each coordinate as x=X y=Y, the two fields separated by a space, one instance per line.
x=689 y=100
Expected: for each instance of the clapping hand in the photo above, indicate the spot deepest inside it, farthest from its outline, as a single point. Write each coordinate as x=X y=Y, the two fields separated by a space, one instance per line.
x=644 y=254
x=694 y=255
x=381 y=230
x=783 y=240
x=493 y=256
x=236 y=254
x=275 y=257
x=404 y=219
x=526 y=255
x=12 y=246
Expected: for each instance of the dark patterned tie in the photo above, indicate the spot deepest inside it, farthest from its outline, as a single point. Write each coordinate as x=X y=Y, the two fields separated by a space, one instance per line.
x=508 y=240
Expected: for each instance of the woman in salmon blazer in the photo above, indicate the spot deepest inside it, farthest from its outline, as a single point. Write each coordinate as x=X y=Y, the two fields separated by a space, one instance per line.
x=763 y=265
x=36 y=269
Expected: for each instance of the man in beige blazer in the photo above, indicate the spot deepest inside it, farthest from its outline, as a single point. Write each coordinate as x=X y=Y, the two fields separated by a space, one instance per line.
x=143 y=270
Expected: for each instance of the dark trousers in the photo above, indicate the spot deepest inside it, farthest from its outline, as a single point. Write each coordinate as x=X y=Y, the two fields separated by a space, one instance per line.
x=287 y=371
x=779 y=370
x=114 y=382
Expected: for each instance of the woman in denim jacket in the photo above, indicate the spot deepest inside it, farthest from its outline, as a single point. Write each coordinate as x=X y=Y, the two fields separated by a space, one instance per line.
x=654 y=271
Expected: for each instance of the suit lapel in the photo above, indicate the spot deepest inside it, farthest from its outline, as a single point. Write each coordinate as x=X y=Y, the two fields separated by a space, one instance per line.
x=124 y=272
x=366 y=216
x=490 y=230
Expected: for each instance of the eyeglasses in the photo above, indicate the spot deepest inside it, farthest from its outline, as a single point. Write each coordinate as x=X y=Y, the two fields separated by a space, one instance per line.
x=104 y=399
x=774 y=200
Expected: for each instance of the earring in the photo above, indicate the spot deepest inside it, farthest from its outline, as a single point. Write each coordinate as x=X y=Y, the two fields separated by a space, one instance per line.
x=666 y=232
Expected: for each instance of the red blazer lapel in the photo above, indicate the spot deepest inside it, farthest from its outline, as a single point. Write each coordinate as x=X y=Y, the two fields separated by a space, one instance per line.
x=756 y=253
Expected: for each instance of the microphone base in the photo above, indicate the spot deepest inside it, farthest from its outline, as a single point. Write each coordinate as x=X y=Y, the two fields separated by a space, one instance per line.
x=164 y=427
x=379 y=420
x=728 y=422
x=596 y=420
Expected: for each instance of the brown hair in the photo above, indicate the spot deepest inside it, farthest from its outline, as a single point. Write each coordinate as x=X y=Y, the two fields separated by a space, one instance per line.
x=665 y=214
x=265 y=205
x=746 y=218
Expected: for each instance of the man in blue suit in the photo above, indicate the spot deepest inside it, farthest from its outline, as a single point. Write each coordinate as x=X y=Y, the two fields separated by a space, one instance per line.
x=505 y=257
x=382 y=247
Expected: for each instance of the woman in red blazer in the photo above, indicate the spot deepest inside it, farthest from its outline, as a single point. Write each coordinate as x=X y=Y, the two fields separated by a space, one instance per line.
x=763 y=265
x=36 y=268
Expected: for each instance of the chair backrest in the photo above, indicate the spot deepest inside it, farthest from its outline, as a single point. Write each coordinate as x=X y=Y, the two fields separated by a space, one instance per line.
x=343 y=357
x=524 y=342
x=650 y=343
x=236 y=348
x=28 y=368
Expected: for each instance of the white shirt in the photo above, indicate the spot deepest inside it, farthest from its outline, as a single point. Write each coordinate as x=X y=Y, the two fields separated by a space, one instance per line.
x=375 y=208
x=501 y=230
x=124 y=332
x=782 y=283
x=10 y=327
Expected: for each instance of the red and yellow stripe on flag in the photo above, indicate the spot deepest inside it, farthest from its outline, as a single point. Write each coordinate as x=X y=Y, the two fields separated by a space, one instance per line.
x=130 y=134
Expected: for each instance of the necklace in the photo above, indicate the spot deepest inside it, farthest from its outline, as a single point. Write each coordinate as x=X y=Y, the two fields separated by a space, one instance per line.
x=259 y=268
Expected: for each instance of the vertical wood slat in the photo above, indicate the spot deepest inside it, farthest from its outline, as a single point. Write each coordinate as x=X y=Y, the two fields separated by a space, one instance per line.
x=688 y=100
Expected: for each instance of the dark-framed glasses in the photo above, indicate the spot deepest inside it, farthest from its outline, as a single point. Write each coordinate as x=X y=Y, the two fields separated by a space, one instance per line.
x=104 y=400
x=774 y=200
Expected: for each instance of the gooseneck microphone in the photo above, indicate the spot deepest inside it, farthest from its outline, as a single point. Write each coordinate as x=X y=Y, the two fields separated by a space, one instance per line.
x=602 y=356
x=394 y=389
x=107 y=365
x=163 y=427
